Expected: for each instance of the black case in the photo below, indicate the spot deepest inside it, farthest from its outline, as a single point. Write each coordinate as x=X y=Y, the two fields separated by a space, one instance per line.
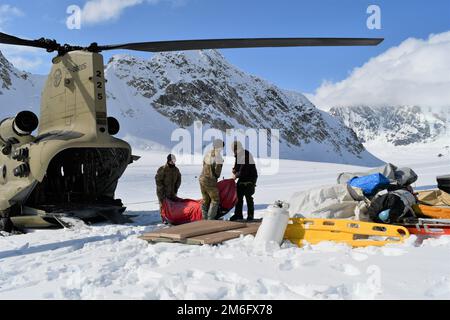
x=444 y=183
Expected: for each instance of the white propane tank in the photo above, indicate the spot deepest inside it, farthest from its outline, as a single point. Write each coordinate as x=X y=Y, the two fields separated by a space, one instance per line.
x=274 y=223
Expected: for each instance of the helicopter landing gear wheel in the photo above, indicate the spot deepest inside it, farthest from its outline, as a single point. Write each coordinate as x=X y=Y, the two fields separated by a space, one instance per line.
x=6 y=224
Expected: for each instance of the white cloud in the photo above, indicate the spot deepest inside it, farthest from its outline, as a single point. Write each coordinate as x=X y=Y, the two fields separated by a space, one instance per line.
x=7 y=12
x=27 y=64
x=6 y=9
x=98 y=11
x=26 y=58
x=417 y=72
x=23 y=58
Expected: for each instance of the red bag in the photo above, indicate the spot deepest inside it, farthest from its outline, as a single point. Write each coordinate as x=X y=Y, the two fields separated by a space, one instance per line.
x=228 y=196
x=182 y=211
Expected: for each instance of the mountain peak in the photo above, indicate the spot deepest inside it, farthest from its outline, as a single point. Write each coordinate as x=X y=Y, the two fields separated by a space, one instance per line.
x=180 y=66
x=205 y=58
x=178 y=88
x=398 y=125
x=19 y=90
x=9 y=74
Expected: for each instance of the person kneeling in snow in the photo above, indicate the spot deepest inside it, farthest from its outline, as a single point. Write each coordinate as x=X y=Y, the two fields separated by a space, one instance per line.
x=168 y=181
x=245 y=171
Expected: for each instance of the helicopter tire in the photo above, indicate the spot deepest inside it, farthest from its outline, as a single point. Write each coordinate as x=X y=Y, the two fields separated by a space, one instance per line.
x=6 y=224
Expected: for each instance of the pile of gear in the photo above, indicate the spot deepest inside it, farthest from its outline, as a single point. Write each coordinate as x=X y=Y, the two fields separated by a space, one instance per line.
x=383 y=195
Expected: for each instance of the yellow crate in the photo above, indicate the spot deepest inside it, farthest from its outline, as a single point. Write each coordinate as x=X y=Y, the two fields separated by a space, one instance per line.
x=354 y=233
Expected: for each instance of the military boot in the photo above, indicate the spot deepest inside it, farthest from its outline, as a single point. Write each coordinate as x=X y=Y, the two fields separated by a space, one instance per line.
x=236 y=217
x=205 y=209
x=213 y=209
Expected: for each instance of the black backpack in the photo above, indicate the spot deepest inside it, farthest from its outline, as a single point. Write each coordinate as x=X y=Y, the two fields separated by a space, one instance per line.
x=399 y=202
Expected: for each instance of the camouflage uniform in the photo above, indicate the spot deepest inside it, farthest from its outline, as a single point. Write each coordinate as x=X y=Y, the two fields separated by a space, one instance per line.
x=212 y=168
x=168 y=181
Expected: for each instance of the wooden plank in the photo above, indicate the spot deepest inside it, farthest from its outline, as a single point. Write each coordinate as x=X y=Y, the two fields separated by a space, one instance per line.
x=212 y=238
x=250 y=228
x=198 y=228
x=161 y=240
x=251 y=221
x=219 y=237
x=181 y=228
x=147 y=237
x=154 y=234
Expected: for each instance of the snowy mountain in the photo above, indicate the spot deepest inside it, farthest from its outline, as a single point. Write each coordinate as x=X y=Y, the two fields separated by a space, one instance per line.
x=18 y=90
x=151 y=98
x=399 y=126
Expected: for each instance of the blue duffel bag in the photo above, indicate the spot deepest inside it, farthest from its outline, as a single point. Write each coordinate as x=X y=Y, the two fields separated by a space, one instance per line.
x=370 y=184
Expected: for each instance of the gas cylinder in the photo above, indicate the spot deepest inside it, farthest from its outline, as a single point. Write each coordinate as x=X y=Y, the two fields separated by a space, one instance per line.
x=274 y=223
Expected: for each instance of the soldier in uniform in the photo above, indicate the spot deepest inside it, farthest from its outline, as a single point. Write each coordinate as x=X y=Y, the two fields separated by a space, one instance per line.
x=168 y=180
x=212 y=169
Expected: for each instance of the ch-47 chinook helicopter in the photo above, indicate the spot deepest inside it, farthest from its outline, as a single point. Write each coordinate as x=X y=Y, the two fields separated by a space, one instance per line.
x=73 y=164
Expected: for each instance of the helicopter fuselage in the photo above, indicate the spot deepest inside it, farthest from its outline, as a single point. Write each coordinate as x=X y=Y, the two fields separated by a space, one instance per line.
x=74 y=161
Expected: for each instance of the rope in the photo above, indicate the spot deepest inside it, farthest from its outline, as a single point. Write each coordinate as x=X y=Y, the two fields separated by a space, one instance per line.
x=154 y=201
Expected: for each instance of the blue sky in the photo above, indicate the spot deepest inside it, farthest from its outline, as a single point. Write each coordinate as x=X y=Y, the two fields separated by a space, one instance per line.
x=301 y=69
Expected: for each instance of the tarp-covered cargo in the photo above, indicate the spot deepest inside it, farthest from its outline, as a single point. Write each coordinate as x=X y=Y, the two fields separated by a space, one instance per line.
x=434 y=198
x=433 y=204
x=399 y=176
x=343 y=201
x=328 y=202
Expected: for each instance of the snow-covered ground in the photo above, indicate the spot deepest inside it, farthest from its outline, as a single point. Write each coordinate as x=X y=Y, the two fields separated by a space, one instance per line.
x=109 y=261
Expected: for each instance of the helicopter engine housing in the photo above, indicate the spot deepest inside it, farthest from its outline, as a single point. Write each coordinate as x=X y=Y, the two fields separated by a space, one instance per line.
x=17 y=130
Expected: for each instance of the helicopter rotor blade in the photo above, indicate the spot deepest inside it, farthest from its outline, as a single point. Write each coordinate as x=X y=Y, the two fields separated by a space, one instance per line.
x=180 y=45
x=47 y=44
x=8 y=39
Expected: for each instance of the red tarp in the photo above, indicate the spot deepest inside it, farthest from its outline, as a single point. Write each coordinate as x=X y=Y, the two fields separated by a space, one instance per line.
x=182 y=211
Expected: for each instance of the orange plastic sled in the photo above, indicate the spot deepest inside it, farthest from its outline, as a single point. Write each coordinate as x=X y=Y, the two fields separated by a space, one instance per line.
x=433 y=212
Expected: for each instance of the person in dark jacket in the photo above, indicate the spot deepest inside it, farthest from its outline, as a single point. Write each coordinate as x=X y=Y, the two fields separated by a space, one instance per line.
x=168 y=180
x=246 y=174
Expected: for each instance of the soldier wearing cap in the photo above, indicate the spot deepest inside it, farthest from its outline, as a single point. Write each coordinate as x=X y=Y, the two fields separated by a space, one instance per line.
x=168 y=180
x=212 y=169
